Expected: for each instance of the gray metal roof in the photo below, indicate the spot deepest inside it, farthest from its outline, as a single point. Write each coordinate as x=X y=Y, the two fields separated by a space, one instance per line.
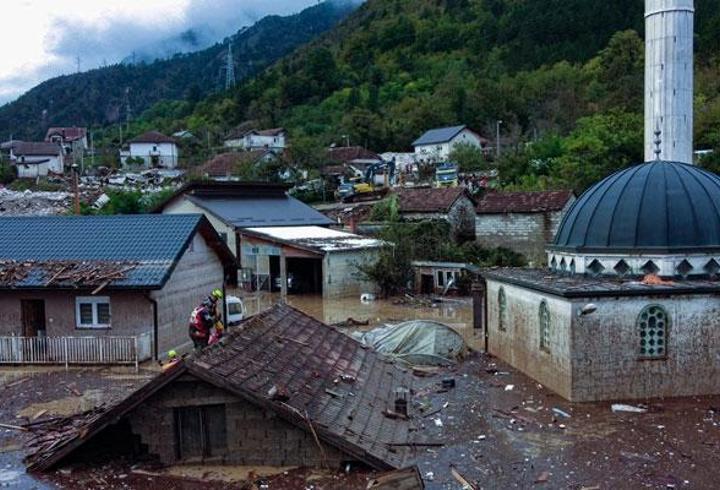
x=659 y=207
x=153 y=243
x=439 y=135
x=259 y=211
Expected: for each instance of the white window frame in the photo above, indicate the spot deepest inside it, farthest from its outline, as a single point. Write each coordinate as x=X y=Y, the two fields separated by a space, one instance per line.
x=94 y=301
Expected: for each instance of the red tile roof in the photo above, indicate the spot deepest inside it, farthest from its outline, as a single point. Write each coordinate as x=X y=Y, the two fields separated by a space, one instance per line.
x=346 y=154
x=152 y=137
x=227 y=164
x=429 y=200
x=523 y=202
x=68 y=134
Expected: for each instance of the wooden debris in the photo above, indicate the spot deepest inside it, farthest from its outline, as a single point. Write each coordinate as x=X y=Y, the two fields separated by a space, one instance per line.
x=70 y=273
x=13 y=427
x=466 y=485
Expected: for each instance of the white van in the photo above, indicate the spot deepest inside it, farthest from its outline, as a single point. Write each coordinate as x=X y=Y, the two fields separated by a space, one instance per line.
x=235 y=311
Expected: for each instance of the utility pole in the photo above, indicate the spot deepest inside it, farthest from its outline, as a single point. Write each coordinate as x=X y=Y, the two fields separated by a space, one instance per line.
x=77 y=61
x=497 y=140
x=76 y=189
x=229 y=68
x=128 y=109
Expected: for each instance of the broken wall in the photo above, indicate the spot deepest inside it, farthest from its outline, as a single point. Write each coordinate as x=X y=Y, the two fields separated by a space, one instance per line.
x=254 y=436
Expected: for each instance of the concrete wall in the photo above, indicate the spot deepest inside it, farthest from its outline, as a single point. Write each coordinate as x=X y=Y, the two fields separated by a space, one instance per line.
x=341 y=277
x=254 y=436
x=198 y=272
x=167 y=153
x=131 y=313
x=519 y=343
x=527 y=234
x=184 y=206
x=605 y=358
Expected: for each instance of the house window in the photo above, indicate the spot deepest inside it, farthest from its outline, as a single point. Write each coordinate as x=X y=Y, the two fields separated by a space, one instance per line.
x=224 y=237
x=440 y=279
x=502 y=310
x=200 y=432
x=92 y=312
x=653 y=327
x=544 y=317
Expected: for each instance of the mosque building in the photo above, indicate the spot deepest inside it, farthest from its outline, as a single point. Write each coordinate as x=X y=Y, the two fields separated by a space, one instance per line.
x=630 y=305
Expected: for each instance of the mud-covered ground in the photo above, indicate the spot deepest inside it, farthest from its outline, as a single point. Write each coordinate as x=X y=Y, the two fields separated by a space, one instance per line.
x=497 y=427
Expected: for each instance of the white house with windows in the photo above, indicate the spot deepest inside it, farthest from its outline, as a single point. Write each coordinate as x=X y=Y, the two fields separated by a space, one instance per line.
x=152 y=149
x=265 y=139
x=436 y=145
x=37 y=159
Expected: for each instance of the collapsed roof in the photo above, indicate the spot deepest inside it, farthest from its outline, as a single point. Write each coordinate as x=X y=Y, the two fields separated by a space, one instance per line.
x=328 y=380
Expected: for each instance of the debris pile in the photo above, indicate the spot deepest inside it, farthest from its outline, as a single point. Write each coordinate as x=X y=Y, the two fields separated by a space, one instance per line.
x=14 y=203
x=95 y=273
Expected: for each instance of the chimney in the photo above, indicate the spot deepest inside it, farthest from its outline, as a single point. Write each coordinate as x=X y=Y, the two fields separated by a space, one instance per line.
x=669 y=79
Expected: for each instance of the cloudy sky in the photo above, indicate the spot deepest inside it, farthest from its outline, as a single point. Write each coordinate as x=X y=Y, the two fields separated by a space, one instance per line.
x=44 y=38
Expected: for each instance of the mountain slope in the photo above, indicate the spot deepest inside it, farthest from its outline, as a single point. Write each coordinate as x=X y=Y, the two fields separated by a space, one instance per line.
x=98 y=96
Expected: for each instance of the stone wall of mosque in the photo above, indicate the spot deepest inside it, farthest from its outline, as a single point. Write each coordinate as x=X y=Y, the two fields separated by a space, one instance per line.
x=514 y=334
x=607 y=348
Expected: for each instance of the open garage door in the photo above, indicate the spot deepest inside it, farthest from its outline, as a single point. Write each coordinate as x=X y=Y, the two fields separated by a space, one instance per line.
x=304 y=275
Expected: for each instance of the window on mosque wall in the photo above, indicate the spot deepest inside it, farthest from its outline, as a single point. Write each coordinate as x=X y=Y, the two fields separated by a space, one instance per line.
x=544 y=317
x=653 y=325
x=502 y=310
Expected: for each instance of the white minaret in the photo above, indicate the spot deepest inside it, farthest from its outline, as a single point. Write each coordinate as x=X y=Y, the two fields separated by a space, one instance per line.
x=669 y=79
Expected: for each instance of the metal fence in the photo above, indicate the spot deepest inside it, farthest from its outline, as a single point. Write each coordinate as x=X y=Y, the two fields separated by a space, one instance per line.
x=75 y=350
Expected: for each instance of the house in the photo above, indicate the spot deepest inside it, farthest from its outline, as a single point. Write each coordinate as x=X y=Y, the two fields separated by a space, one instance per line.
x=37 y=159
x=355 y=159
x=443 y=277
x=234 y=206
x=307 y=260
x=266 y=139
x=154 y=149
x=521 y=221
x=229 y=167
x=436 y=145
x=454 y=205
x=108 y=276
x=74 y=140
x=282 y=389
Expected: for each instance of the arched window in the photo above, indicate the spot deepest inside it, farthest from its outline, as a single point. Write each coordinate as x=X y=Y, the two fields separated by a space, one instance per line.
x=653 y=325
x=502 y=310
x=544 y=317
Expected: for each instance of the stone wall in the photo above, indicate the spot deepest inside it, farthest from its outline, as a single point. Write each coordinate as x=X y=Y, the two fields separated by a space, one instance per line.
x=461 y=218
x=519 y=343
x=341 y=277
x=197 y=273
x=255 y=436
x=527 y=234
x=606 y=363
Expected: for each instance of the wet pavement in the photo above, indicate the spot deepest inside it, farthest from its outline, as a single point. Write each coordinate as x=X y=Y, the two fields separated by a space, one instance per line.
x=497 y=427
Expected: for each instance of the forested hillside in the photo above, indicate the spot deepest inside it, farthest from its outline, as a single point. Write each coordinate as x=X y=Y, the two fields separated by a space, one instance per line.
x=97 y=97
x=567 y=74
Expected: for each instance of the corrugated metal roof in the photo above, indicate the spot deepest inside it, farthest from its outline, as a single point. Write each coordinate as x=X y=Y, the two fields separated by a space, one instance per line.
x=152 y=242
x=315 y=237
x=259 y=211
x=439 y=135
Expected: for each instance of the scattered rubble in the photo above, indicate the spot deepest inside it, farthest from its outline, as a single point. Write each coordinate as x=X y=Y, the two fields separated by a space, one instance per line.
x=96 y=273
x=14 y=203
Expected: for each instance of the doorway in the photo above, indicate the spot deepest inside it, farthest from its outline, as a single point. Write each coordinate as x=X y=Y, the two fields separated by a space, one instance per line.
x=33 y=317
x=427 y=284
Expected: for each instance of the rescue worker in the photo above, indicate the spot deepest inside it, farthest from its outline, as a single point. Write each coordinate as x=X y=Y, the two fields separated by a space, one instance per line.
x=204 y=318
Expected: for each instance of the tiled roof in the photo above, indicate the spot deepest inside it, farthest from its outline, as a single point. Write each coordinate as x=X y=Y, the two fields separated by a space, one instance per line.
x=153 y=243
x=226 y=164
x=36 y=148
x=346 y=154
x=268 y=132
x=439 y=135
x=152 y=137
x=307 y=372
x=429 y=200
x=523 y=202
x=68 y=134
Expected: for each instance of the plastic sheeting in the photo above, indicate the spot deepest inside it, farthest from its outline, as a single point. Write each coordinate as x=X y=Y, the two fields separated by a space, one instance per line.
x=418 y=342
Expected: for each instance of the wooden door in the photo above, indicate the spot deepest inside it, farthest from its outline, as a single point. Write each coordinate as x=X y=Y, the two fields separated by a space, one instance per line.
x=33 y=317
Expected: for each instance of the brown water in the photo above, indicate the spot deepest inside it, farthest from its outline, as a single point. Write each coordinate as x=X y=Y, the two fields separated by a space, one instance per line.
x=455 y=312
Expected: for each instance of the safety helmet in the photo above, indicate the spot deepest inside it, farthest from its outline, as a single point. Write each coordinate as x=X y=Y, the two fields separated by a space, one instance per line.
x=217 y=294
x=172 y=354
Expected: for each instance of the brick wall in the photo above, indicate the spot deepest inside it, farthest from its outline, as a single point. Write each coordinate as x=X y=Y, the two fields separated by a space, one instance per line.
x=255 y=436
x=606 y=362
x=527 y=234
x=519 y=343
x=341 y=277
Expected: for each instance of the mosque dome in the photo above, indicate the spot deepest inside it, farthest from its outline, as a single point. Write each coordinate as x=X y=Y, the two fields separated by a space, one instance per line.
x=656 y=209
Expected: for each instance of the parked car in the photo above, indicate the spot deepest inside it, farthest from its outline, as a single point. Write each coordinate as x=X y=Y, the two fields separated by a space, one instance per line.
x=235 y=311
